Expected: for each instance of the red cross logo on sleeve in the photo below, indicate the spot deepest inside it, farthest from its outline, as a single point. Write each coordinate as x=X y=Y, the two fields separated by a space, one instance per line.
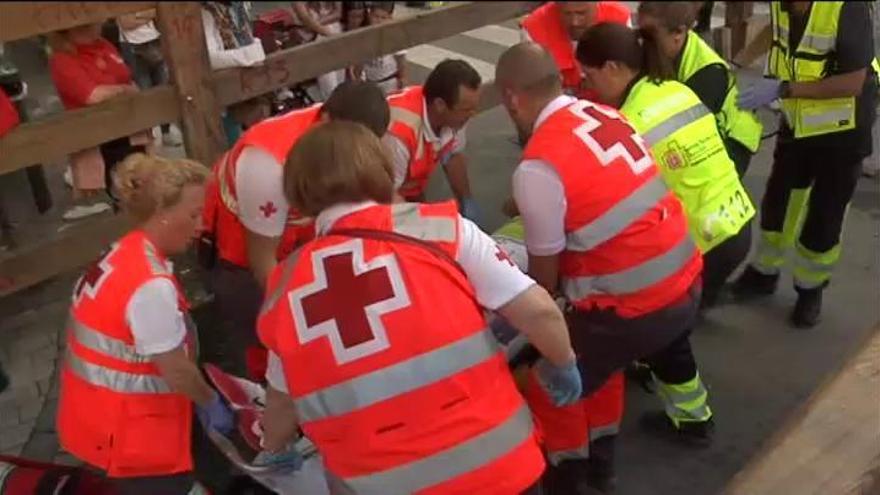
x=268 y=209
x=347 y=300
x=501 y=255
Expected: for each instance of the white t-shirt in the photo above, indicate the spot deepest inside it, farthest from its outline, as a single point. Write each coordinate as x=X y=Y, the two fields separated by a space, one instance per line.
x=154 y=316
x=540 y=196
x=400 y=155
x=262 y=207
x=141 y=34
x=220 y=57
x=495 y=280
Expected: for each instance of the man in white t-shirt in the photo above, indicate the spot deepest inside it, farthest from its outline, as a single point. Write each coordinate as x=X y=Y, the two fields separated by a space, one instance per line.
x=142 y=51
x=249 y=235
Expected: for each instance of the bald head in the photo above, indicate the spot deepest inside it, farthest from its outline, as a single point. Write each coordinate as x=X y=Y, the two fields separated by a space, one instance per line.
x=528 y=68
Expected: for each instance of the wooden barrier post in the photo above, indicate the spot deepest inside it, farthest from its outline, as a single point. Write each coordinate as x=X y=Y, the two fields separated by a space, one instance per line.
x=194 y=98
x=185 y=50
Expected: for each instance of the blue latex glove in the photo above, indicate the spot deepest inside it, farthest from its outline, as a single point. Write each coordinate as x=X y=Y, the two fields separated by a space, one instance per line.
x=471 y=210
x=562 y=383
x=759 y=93
x=288 y=459
x=216 y=415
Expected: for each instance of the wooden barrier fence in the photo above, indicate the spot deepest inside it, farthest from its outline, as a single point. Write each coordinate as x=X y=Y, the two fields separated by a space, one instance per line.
x=194 y=98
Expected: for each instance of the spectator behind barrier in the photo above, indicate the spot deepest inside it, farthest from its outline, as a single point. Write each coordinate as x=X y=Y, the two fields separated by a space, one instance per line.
x=317 y=20
x=387 y=71
x=142 y=51
x=87 y=70
x=231 y=43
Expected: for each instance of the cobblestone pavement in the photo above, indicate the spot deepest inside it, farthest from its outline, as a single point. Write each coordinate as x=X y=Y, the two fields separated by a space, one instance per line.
x=30 y=347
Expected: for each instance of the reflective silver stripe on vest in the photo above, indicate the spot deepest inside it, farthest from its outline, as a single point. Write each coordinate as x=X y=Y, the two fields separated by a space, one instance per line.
x=580 y=453
x=99 y=342
x=669 y=126
x=634 y=279
x=820 y=43
x=286 y=272
x=414 y=122
x=604 y=431
x=619 y=217
x=408 y=220
x=118 y=381
x=449 y=464
x=831 y=116
x=156 y=264
x=400 y=378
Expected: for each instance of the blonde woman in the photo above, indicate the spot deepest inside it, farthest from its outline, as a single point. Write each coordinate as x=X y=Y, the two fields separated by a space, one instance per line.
x=87 y=70
x=129 y=379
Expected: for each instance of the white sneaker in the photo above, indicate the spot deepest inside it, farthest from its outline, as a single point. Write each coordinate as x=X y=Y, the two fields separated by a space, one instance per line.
x=82 y=211
x=171 y=139
x=68 y=177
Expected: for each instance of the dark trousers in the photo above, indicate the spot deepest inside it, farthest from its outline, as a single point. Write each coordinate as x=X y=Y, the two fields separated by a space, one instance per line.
x=175 y=484
x=237 y=299
x=605 y=342
x=740 y=155
x=831 y=172
x=723 y=260
x=147 y=65
x=571 y=476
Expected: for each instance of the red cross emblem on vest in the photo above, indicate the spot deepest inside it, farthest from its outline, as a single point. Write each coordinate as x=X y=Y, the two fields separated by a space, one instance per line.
x=91 y=280
x=347 y=299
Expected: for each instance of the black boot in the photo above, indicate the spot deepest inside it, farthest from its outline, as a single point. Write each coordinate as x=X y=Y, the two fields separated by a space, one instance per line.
x=692 y=433
x=753 y=283
x=601 y=477
x=808 y=309
x=568 y=478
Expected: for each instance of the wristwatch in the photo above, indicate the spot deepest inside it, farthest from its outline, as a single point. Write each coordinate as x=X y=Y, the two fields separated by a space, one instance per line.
x=785 y=90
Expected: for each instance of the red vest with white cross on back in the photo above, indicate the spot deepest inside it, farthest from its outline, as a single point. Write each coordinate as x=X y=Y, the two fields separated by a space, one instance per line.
x=395 y=375
x=627 y=242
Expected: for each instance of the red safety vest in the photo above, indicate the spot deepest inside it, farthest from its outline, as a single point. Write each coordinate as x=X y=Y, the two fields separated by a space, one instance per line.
x=8 y=114
x=275 y=136
x=115 y=411
x=407 y=124
x=567 y=431
x=544 y=26
x=395 y=375
x=627 y=241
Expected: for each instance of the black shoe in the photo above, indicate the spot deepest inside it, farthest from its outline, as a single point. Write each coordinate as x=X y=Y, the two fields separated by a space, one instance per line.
x=600 y=477
x=808 y=309
x=753 y=283
x=691 y=433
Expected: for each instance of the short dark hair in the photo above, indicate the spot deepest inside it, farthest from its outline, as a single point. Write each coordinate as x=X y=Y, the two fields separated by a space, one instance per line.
x=637 y=49
x=444 y=81
x=362 y=102
x=674 y=16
